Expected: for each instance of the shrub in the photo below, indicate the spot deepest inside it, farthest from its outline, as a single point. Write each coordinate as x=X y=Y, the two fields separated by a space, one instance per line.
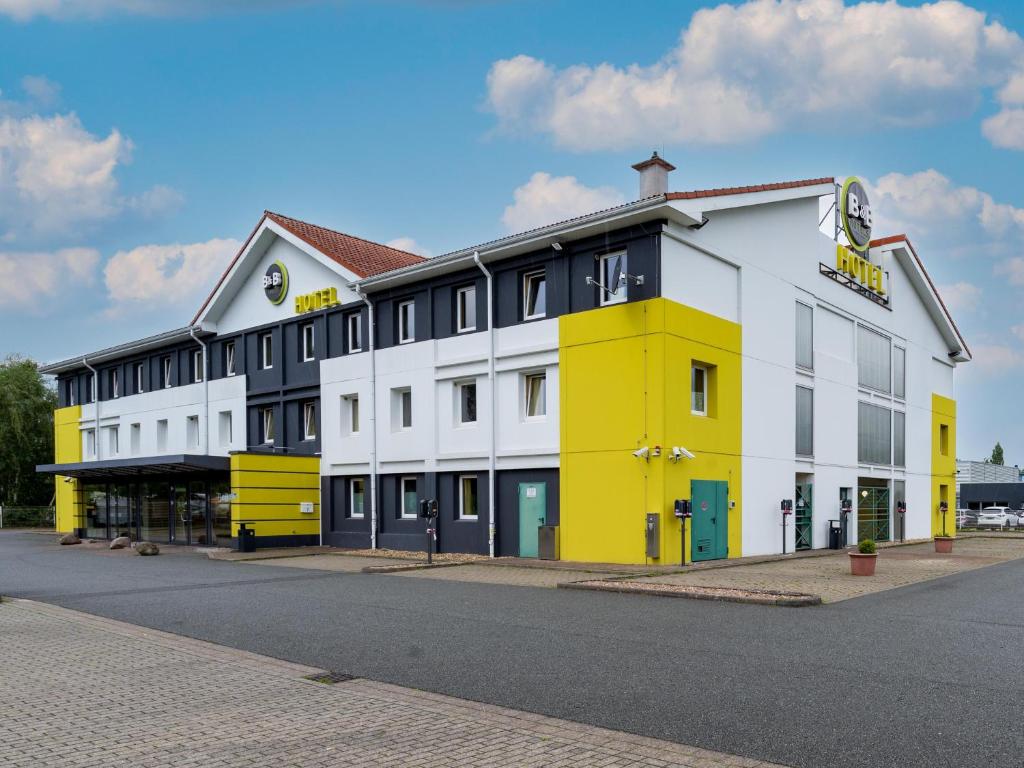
x=867 y=547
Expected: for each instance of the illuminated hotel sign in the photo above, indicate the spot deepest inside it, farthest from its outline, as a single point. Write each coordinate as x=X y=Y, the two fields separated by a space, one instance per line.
x=275 y=282
x=855 y=214
x=853 y=268
x=311 y=302
x=860 y=269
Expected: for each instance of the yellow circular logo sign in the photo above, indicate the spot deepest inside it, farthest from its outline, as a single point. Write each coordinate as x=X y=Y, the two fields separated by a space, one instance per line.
x=275 y=282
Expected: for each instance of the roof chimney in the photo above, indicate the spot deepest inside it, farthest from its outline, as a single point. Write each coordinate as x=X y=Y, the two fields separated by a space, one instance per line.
x=653 y=176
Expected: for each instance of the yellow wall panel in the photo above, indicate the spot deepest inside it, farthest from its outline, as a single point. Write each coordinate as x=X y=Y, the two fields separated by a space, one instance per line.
x=943 y=464
x=67 y=449
x=268 y=490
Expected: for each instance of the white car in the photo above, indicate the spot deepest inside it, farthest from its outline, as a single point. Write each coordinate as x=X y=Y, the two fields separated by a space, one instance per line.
x=998 y=517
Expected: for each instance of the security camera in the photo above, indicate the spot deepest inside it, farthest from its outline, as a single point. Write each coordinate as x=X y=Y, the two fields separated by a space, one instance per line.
x=678 y=452
x=642 y=453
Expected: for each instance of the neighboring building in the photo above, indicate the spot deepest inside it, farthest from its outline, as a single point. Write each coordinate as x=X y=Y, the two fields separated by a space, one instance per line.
x=714 y=346
x=981 y=495
x=984 y=472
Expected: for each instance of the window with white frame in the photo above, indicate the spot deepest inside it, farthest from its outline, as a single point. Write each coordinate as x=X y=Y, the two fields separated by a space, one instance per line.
x=309 y=421
x=469 y=503
x=899 y=372
x=535 y=395
x=357 y=497
x=874 y=360
x=266 y=351
x=804 y=421
x=69 y=391
x=354 y=331
x=224 y=428
x=114 y=441
x=139 y=382
x=699 y=390
x=350 y=414
x=466 y=395
x=308 y=345
x=229 y=358
x=90 y=388
x=406 y=321
x=613 y=271
x=804 y=336
x=197 y=365
x=192 y=431
x=267 y=419
x=165 y=368
x=401 y=403
x=115 y=383
x=465 y=309
x=409 y=499
x=534 y=295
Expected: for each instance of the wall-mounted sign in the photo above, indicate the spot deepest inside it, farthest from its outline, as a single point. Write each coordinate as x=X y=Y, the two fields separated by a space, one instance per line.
x=306 y=507
x=860 y=269
x=311 y=302
x=275 y=282
x=855 y=214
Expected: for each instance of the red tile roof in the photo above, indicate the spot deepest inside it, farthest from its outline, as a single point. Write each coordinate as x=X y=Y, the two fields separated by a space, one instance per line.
x=698 y=193
x=363 y=257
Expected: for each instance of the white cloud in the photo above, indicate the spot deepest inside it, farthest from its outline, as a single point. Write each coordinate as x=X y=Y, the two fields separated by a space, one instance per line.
x=960 y=297
x=1005 y=129
x=1012 y=269
x=996 y=358
x=409 y=245
x=164 y=274
x=24 y=10
x=1018 y=331
x=41 y=90
x=546 y=199
x=156 y=201
x=743 y=71
x=32 y=275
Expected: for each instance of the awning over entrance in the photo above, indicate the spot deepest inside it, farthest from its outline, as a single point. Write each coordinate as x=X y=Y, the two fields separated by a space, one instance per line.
x=141 y=465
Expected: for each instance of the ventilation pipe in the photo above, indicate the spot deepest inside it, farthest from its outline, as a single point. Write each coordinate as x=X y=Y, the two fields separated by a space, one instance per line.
x=653 y=176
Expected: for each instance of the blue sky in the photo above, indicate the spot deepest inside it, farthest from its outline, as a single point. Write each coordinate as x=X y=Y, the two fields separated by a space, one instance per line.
x=140 y=139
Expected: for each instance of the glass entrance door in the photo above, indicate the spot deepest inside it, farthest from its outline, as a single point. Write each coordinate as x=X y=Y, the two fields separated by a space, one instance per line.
x=180 y=514
x=197 y=514
x=804 y=516
x=873 y=513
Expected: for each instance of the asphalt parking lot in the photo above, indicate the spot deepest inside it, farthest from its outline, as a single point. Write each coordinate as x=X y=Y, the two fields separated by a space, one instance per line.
x=888 y=679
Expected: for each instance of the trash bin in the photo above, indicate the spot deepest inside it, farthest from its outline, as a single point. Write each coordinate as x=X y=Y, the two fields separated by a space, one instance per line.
x=835 y=534
x=547 y=542
x=246 y=539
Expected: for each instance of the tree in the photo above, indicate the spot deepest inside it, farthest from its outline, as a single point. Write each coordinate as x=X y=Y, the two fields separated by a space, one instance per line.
x=26 y=433
x=997 y=455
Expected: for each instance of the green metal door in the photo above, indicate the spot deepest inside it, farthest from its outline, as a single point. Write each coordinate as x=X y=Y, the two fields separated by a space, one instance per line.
x=872 y=513
x=709 y=532
x=802 y=516
x=532 y=515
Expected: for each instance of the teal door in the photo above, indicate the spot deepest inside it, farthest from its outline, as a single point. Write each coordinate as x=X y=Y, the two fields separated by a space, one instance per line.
x=803 y=516
x=709 y=526
x=532 y=515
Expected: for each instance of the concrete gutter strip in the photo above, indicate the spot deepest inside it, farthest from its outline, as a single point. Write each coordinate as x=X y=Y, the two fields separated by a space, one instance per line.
x=411 y=567
x=721 y=594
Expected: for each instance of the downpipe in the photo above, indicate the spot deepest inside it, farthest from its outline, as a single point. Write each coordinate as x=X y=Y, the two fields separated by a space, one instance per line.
x=372 y=349
x=492 y=457
x=206 y=391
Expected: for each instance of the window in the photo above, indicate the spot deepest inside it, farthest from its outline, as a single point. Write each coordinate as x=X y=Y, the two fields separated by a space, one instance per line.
x=534 y=295
x=69 y=392
x=136 y=438
x=229 y=358
x=90 y=443
x=874 y=434
x=899 y=372
x=115 y=383
x=466 y=391
x=224 y=428
x=165 y=366
x=804 y=336
x=357 y=496
x=699 y=390
x=402 y=408
x=804 y=421
x=192 y=431
x=309 y=421
x=406 y=321
x=468 y=501
x=114 y=441
x=874 y=360
x=350 y=414
x=161 y=436
x=267 y=417
x=90 y=388
x=613 y=268
x=354 y=331
x=266 y=351
x=899 y=438
x=409 y=500
x=944 y=439
x=535 y=399
x=139 y=383
x=308 y=348
x=197 y=365
x=465 y=309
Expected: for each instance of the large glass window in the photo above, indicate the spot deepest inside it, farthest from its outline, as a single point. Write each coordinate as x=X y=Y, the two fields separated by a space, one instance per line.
x=534 y=295
x=94 y=499
x=465 y=309
x=874 y=360
x=197 y=513
x=220 y=511
x=468 y=500
x=156 y=512
x=899 y=438
x=804 y=336
x=899 y=372
x=613 y=269
x=804 y=421
x=874 y=434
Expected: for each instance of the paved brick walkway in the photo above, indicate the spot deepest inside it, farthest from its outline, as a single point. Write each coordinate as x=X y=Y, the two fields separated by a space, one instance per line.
x=830 y=576
x=78 y=690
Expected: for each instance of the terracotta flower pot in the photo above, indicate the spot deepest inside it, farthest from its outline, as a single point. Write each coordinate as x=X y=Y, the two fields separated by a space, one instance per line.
x=862 y=565
x=944 y=544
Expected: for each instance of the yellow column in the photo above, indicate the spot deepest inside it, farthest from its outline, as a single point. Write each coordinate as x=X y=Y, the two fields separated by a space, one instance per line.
x=67 y=449
x=943 y=464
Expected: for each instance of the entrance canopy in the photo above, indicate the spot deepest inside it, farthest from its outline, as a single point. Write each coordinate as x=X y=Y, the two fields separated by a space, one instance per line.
x=141 y=465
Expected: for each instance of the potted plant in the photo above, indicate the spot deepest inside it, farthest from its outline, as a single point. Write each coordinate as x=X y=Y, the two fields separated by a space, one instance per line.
x=944 y=544
x=862 y=562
